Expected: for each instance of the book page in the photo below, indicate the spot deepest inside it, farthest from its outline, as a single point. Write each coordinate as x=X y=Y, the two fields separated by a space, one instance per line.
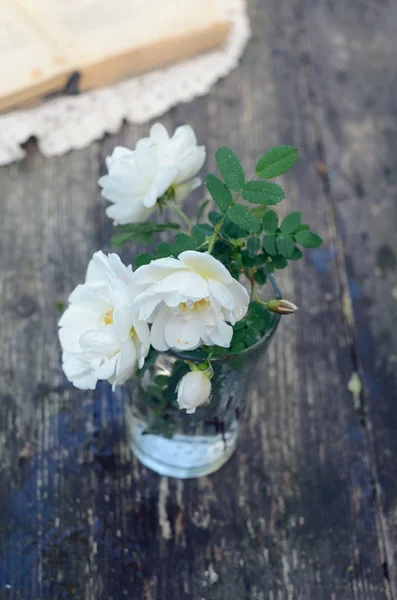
x=90 y=30
x=27 y=57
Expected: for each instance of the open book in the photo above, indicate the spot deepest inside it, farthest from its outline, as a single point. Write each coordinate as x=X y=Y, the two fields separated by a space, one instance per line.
x=44 y=42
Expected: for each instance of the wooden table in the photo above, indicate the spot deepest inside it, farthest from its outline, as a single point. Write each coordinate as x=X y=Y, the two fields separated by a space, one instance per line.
x=307 y=508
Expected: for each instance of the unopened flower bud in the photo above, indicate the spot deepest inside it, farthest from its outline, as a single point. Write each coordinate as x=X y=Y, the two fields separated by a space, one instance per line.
x=282 y=307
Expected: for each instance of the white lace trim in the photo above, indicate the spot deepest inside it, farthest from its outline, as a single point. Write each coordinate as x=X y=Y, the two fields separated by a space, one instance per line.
x=73 y=122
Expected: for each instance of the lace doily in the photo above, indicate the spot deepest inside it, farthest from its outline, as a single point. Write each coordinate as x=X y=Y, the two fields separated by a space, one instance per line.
x=72 y=122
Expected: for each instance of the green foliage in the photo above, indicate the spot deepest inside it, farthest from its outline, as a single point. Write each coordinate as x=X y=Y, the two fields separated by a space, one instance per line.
x=263 y=192
x=231 y=168
x=308 y=239
x=285 y=245
x=144 y=259
x=253 y=245
x=270 y=221
x=219 y=191
x=269 y=244
x=240 y=215
x=252 y=328
x=139 y=232
x=276 y=161
x=291 y=223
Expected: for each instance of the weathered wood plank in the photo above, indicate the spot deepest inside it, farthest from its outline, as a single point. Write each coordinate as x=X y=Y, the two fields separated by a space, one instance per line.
x=292 y=515
x=352 y=69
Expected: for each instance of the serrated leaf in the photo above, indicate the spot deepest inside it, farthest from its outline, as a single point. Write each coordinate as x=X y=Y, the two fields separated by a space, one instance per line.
x=214 y=217
x=291 y=223
x=183 y=242
x=239 y=347
x=201 y=210
x=270 y=221
x=164 y=249
x=276 y=161
x=308 y=239
x=296 y=254
x=285 y=245
x=219 y=192
x=262 y=192
x=144 y=259
x=280 y=262
x=253 y=245
x=240 y=215
x=231 y=168
x=205 y=227
x=269 y=244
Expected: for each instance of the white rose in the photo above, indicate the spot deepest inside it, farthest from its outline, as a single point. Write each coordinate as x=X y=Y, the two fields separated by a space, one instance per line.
x=189 y=301
x=100 y=334
x=194 y=389
x=137 y=179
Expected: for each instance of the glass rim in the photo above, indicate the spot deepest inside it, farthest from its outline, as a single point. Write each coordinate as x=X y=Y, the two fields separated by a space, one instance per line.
x=266 y=336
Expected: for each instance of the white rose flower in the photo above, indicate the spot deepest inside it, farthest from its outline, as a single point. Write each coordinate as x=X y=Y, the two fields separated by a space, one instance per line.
x=100 y=334
x=159 y=164
x=189 y=301
x=194 y=389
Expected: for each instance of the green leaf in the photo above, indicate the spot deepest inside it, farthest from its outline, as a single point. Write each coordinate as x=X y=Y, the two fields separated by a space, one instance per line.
x=119 y=239
x=198 y=235
x=260 y=276
x=276 y=161
x=291 y=223
x=304 y=228
x=219 y=192
x=263 y=192
x=253 y=245
x=144 y=259
x=60 y=305
x=214 y=217
x=285 y=245
x=239 y=347
x=269 y=244
x=183 y=242
x=308 y=239
x=164 y=249
x=259 y=211
x=205 y=228
x=270 y=221
x=139 y=232
x=240 y=215
x=201 y=210
x=280 y=262
x=231 y=168
x=296 y=254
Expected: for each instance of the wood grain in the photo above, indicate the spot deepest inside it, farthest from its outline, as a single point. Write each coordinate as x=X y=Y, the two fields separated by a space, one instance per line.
x=295 y=514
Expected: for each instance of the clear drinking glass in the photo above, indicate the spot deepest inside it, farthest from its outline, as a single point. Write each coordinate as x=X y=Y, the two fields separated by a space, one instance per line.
x=173 y=443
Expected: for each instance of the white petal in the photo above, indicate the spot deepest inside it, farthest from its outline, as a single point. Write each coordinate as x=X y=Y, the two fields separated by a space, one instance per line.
x=186 y=283
x=130 y=212
x=79 y=372
x=157 y=269
x=221 y=294
x=182 y=334
x=206 y=265
x=182 y=190
x=107 y=368
x=126 y=363
x=91 y=297
x=142 y=342
x=180 y=144
x=241 y=299
x=151 y=197
x=159 y=134
x=101 y=342
x=164 y=179
x=80 y=318
x=70 y=339
x=147 y=157
x=157 y=331
x=191 y=164
x=222 y=335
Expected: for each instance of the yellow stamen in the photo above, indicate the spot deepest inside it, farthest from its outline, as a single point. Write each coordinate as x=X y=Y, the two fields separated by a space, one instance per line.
x=108 y=317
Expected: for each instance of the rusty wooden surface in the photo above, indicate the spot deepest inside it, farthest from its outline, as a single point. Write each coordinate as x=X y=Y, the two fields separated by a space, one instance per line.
x=307 y=508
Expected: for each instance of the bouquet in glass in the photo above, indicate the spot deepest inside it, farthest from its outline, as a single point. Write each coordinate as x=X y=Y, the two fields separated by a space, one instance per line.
x=192 y=320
